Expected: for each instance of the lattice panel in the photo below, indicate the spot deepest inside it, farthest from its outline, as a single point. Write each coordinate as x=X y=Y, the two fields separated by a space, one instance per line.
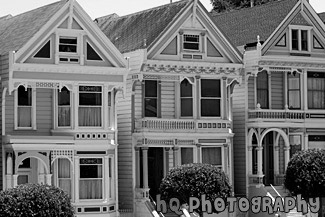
x=61 y=153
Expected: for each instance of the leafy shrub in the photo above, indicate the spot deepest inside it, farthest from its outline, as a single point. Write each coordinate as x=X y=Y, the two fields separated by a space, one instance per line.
x=195 y=180
x=305 y=174
x=35 y=200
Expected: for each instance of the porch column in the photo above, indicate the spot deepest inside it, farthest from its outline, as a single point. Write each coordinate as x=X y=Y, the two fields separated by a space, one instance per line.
x=167 y=159
x=145 y=166
x=226 y=167
x=250 y=160
x=175 y=154
x=137 y=167
x=276 y=160
x=286 y=156
x=9 y=171
x=305 y=146
x=224 y=96
x=259 y=160
x=41 y=174
x=48 y=179
x=15 y=180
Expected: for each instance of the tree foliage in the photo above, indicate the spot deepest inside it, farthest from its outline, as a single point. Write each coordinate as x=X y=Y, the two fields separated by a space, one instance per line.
x=305 y=174
x=194 y=180
x=35 y=200
x=228 y=5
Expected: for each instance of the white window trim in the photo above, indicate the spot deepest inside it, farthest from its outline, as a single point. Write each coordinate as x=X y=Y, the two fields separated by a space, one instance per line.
x=56 y=109
x=202 y=41
x=286 y=94
x=178 y=86
x=104 y=177
x=33 y=111
x=222 y=101
x=103 y=114
x=299 y=28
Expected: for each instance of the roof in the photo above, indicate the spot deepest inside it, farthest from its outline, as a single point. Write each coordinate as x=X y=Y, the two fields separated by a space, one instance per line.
x=244 y=25
x=17 y=30
x=141 y=29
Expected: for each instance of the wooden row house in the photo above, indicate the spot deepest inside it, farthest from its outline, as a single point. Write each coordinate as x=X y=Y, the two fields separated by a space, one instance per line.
x=282 y=95
x=59 y=79
x=177 y=106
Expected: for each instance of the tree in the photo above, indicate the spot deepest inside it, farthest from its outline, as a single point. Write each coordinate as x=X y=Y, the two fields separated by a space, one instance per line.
x=305 y=174
x=228 y=5
x=35 y=200
x=195 y=180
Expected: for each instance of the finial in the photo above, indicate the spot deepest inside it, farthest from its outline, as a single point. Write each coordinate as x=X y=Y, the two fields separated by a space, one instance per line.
x=258 y=39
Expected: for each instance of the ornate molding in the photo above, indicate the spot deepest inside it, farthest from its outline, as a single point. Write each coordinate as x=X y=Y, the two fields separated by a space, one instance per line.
x=289 y=65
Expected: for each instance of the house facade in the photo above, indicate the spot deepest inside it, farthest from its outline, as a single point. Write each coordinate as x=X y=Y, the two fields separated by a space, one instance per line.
x=59 y=79
x=177 y=107
x=282 y=96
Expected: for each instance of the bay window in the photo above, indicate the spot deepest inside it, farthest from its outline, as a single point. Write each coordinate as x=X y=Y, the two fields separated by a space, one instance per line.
x=293 y=90
x=24 y=107
x=210 y=98
x=91 y=178
x=90 y=106
x=316 y=90
x=186 y=99
x=62 y=175
x=64 y=108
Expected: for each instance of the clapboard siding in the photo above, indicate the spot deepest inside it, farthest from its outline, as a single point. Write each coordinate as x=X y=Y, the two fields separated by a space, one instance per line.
x=239 y=141
x=4 y=61
x=138 y=100
x=277 y=90
x=251 y=93
x=124 y=125
x=167 y=99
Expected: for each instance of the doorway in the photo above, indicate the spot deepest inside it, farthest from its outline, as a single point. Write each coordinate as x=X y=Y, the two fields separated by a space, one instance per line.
x=155 y=169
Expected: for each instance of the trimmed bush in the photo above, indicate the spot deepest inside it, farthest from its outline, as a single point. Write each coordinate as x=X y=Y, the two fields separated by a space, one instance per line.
x=35 y=200
x=305 y=174
x=195 y=180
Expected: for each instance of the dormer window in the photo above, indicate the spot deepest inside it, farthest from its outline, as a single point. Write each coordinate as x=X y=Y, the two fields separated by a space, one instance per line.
x=68 y=45
x=191 y=42
x=300 y=39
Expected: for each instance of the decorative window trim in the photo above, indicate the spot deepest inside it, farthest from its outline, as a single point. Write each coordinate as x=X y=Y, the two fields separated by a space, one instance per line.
x=309 y=39
x=33 y=111
x=202 y=42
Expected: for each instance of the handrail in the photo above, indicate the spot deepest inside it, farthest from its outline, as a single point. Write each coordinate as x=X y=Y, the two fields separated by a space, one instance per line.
x=276 y=191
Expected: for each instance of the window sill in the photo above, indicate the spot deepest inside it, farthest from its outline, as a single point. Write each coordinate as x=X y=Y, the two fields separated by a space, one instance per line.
x=300 y=53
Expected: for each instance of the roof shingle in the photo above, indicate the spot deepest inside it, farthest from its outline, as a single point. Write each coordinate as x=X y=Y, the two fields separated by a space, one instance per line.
x=17 y=30
x=243 y=26
x=141 y=29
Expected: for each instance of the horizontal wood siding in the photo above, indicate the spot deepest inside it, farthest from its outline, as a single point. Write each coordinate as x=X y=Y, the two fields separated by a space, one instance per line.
x=251 y=93
x=4 y=67
x=138 y=100
x=239 y=141
x=124 y=126
x=167 y=99
x=277 y=90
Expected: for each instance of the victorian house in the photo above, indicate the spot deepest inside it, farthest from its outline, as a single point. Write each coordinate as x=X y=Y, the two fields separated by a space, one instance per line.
x=59 y=78
x=280 y=106
x=177 y=106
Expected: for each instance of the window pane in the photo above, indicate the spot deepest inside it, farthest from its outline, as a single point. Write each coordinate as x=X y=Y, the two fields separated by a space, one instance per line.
x=68 y=45
x=212 y=155
x=63 y=116
x=94 y=99
x=24 y=96
x=187 y=107
x=150 y=107
x=186 y=89
x=90 y=171
x=191 y=42
x=294 y=99
x=90 y=116
x=262 y=89
x=210 y=107
x=210 y=88
x=64 y=175
x=316 y=90
x=186 y=155
x=151 y=88
x=64 y=96
x=24 y=117
x=304 y=40
x=294 y=39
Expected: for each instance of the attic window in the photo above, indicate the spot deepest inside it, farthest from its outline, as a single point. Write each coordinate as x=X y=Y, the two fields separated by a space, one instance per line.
x=300 y=39
x=92 y=54
x=68 y=45
x=45 y=51
x=191 y=42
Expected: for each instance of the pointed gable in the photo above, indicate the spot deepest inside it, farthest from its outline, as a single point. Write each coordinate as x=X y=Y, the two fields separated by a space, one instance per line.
x=140 y=30
x=17 y=30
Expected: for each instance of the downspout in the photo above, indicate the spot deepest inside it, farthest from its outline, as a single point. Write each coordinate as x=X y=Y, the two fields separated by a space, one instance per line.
x=3 y=133
x=116 y=152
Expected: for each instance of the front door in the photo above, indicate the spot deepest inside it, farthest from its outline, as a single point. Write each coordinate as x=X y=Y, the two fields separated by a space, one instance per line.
x=155 y=170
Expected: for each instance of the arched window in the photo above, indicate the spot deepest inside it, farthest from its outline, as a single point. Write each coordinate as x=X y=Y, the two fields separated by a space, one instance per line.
x=186 y=99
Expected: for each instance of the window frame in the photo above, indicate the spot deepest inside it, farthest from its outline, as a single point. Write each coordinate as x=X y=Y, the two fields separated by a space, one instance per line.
x=192 y=97
x=222 y=166
x=307 y=100
x=56 y=178
x=220 y=99
x=288 y=90
x=158 y=98
x=268 y=82
x=194 y=149
x=309 y=38
x=102 y=106
x=57 y=110
x=33 y=110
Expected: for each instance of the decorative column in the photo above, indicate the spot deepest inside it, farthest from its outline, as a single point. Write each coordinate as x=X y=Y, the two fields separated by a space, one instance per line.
x=41 y=174
x=9 y=171
x=199 y=150
x=145 y=166
x=167 y=159
x=250 y=160
x=175 y=154
x=76 y=177
x=276 y=160
x=259 y=160
x=137 y=167
x=15 y=180
x=107 y=183
x=286 y=156
x=49 y=179
x=224 y=98
x=198 y=91
x=226 y=167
